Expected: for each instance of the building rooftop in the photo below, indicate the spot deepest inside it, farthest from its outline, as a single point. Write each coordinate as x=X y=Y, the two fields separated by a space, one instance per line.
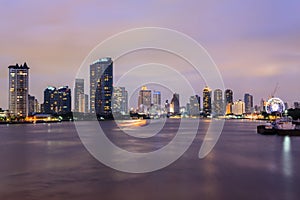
x=17 y=66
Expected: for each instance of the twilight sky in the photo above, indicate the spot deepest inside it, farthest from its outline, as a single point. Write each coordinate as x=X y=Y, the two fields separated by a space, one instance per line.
x=255 y=43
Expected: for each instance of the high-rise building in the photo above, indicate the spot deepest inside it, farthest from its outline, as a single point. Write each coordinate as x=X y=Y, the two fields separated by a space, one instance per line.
x=175 y=105
x=228 y=96
x=248 y=99
x=144 y=101
x=120 y=101
x=50 y=100
x=30 y=104
x=78 y=91
x=64 y=100
x=101 y=86
x=218 y=103
x=207 y=101
x=57 y=100
x=18 y=89
x=238 y=107
x=33 y=105
x=157 y=98
x=263 y=104
x=228 y=101
x=194 y=107
x=228 y=109
x=83 y=103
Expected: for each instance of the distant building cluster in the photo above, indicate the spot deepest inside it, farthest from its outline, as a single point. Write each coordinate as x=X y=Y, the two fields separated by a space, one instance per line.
x=107 y=101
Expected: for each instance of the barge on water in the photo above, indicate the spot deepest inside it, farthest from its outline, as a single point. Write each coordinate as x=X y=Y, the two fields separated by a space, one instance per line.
x=283 y=127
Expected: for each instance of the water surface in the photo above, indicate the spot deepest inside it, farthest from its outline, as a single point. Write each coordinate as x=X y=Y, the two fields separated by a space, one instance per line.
x=48 y=161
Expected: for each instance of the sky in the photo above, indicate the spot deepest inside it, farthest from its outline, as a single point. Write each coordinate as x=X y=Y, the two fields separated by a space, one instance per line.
x=254 y=43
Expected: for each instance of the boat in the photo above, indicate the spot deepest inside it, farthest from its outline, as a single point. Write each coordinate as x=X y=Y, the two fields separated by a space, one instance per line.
x=283 y=126
x=266 y=129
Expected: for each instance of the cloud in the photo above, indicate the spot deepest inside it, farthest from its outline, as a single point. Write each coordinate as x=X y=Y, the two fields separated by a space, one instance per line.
x=251 y=41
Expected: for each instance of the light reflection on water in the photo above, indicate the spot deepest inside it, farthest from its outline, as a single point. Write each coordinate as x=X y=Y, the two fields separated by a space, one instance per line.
x=49 y=162
x=287 y=158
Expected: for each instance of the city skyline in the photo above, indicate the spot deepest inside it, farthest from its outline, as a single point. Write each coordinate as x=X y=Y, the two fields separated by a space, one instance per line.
x=108 y=101
x=214 y=101
x=252 y=55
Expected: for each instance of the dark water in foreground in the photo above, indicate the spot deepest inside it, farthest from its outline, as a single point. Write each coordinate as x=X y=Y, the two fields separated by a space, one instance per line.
x=49 y=162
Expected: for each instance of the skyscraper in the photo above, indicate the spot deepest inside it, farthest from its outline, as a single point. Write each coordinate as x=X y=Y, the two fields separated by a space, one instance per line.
x=207 y=101
x=33 y=105
x=238 y=107
x=157 y=98
x=83 y=103
x=228 y=96
x=78 y=90
x=18 y=89
x=194 y=108
x=144 y=101
x=30 y=104
x=120 y=101
x=64 y=100
x=175 y=105
x=248 y=99
x=263 y=104
x=101 y=86
x=57 y=100
x=218 y=103
x=228 y=101
x=50 y=100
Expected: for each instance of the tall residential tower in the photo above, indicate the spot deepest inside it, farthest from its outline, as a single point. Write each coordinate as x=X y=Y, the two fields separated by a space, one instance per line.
x=248 y=99
x=18 y=89
x=101 y=87
x=218 y=103
x=207 y=101
x=144 y=101
x=78 y=94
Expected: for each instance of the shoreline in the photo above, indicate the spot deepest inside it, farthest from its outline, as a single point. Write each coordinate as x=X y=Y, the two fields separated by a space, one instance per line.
x=51 y=122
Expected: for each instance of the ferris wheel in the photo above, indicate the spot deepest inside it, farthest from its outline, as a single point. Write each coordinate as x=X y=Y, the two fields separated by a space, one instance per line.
x=275 y=105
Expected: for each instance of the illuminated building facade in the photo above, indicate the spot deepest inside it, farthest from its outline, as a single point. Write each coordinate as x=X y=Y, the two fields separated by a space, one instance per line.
x=101 y=87
x=83 y=103
x=144 y=101
x=64 y=100
x=207 y=101
x=228 y=96
x=78 y=92
x=120 y=101
x=228 y=100
x=57 y=100
x=218 y=103
x=238 y=107
x=157 y=98
x=193 y=106
x=18 y=90
x=248 y=99
x=50 y=100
